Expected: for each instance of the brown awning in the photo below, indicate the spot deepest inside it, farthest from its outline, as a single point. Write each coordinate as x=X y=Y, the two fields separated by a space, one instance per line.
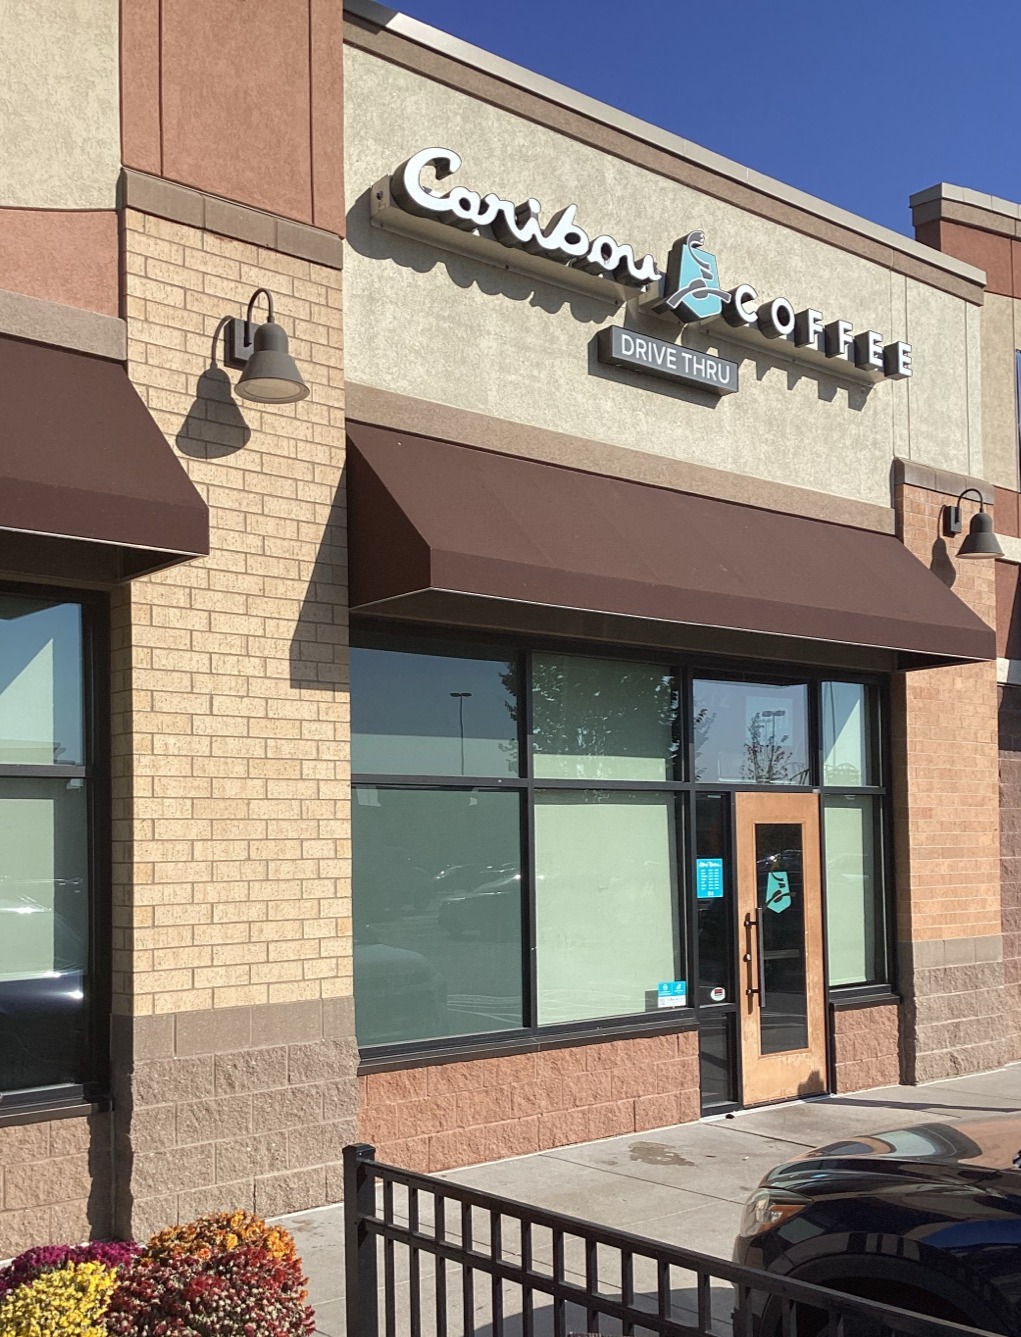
x=442 y=532
x=82 y=460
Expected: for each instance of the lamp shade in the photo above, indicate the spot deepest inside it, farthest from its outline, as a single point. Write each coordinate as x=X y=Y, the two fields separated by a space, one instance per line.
x=981 y=541
x=271 y=375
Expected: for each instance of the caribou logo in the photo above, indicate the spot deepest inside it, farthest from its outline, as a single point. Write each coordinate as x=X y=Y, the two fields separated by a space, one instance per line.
x=693 y=280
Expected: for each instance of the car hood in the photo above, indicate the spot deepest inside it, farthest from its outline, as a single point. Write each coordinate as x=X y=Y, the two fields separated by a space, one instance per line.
x=993 y=1144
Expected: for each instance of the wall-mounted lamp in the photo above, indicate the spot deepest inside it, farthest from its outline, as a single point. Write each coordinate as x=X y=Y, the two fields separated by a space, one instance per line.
x=981 y=541
x=270 y=374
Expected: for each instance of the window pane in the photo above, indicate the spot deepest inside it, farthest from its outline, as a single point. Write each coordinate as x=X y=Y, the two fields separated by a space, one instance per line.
x=854 y=923
x=44 y=919
x=600 y=719
x=422 y=714
x=607 y=925
x=40 y=683
x=713 y=903
x=437 y=913
x=751 y=731
x=846 y=734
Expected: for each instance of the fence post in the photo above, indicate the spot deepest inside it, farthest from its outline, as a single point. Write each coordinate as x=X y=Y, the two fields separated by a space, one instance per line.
x=359 y=1243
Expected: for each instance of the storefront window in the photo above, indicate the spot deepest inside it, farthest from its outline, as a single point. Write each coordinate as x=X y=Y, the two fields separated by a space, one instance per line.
x=606 y=902
x=437 y=913
x=751 y=733
x=44 y=819
x=602 y=719
x=40 y=683
x=530 y=849
x=854 y=906
x=424 y=714
x=847 y=735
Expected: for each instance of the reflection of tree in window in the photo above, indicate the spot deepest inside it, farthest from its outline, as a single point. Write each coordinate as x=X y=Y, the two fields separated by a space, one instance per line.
x=767 y=759
x=703 y=725
x=620 y=715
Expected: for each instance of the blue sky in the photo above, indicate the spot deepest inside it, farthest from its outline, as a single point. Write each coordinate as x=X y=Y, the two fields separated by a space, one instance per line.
x=861 y=102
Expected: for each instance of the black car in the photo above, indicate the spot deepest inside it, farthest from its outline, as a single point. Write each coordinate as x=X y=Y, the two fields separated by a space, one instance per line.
x=926 y=1218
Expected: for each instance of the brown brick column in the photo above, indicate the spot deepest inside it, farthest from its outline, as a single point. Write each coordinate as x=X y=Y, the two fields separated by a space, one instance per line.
x=233 y=1033
x=946 y=805
x=1010 y=859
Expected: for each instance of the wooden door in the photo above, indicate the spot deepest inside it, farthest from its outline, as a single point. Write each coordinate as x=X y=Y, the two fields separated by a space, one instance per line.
x=782 y=995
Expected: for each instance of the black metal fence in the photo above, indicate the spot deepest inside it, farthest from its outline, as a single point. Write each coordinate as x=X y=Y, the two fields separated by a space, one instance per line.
x=429 y=1258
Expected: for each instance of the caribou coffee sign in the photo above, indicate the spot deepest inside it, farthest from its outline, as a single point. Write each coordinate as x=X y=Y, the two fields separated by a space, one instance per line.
x=518 y=225
x=689 y=289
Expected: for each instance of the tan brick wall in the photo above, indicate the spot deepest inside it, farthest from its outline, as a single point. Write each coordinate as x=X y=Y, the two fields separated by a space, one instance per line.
x=462 y=1113
x=946 y=807
x=54 y=1182
x=230 y=755
x=866 y=1047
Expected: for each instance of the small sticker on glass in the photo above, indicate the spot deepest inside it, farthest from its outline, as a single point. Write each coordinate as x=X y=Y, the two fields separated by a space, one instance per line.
x=718 y=995
x=672 y=993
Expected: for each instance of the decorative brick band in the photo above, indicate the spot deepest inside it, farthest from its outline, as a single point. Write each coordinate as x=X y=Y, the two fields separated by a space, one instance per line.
x=912 y=474
x=866 y=1046
x=182 y=204
x=453 y=1114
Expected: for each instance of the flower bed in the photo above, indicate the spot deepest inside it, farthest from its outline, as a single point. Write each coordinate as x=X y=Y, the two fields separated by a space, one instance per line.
x=225 y=1275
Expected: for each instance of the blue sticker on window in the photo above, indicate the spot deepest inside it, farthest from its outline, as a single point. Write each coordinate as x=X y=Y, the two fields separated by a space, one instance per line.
x=672 y=993
x=709 y=879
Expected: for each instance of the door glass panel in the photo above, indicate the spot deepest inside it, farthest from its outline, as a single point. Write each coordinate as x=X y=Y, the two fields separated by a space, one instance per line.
x=751 y=732
x=713 y=901
x=780 y=909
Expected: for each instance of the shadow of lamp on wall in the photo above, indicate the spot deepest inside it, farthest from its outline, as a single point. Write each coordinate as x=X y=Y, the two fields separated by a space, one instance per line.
x=980 y=541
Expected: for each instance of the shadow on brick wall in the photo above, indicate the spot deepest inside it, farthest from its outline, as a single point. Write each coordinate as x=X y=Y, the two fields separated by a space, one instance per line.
x=214 y=425
x=319 y=645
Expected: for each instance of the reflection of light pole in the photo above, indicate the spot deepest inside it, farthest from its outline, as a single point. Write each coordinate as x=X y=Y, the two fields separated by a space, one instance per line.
x=460 y=699
x=773 y=715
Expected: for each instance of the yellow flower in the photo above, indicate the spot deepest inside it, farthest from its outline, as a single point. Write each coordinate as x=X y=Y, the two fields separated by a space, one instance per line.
x=68 y=1302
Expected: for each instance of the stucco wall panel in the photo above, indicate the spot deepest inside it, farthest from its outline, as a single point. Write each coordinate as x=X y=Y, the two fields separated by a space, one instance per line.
x=417 y=315
x=68 y=257
x=59 y=114
x=141 y=137
x=236 y=103
x=999 y=393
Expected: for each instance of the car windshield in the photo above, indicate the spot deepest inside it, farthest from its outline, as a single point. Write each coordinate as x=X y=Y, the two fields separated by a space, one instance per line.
x=995 y=1143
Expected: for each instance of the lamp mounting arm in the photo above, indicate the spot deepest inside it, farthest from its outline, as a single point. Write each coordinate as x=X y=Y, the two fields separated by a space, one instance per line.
x=240 y=332
x=952 y=521
x=259 y=292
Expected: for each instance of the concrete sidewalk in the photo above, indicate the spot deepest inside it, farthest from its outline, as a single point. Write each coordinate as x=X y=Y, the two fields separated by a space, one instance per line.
x=685 y=1185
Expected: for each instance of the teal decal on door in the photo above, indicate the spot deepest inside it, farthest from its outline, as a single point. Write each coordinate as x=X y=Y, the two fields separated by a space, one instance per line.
x=778 y=892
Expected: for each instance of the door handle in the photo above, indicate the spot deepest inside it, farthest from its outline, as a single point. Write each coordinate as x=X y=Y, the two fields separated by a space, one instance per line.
x=752 y=922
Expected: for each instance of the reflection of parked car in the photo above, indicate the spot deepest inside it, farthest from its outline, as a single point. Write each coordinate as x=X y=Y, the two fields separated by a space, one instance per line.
x=490 y=911
x=399 y=995
x=926 y=1218
x=46 y=923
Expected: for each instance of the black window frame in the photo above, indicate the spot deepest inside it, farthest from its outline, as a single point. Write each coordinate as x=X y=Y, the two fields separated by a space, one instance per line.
x=95 y=771
x=686 y=666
